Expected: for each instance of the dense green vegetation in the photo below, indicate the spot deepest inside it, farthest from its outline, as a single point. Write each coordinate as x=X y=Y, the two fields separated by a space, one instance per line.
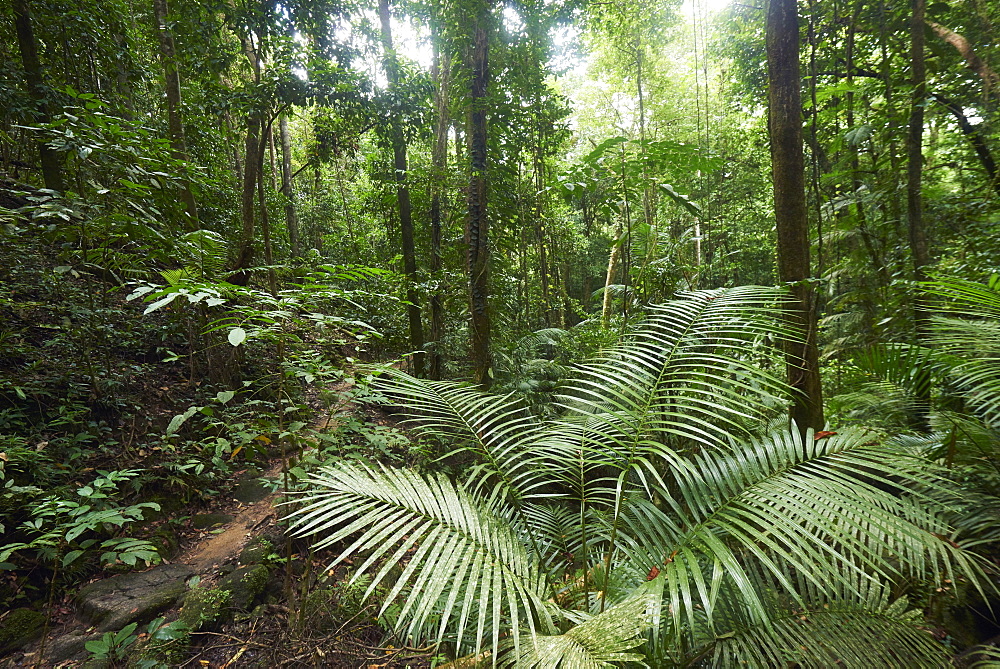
x=691 y=313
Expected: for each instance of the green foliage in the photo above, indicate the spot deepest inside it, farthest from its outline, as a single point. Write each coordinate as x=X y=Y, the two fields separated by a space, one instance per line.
x=65 y=529
x=648 y=486
x=113 y=645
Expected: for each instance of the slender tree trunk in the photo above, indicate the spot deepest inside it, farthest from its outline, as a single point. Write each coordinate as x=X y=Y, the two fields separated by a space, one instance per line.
x=252 y=168
x=614 y=259
x=788 y=166
x=975 y=136
x=172 y=87
x=233 y=142
x=50 y=159
x=914 y=150
x=291 y=219
x=477 y=224
x=403 y=198
x=265 y=229
x=440 y=70
x=914 y=199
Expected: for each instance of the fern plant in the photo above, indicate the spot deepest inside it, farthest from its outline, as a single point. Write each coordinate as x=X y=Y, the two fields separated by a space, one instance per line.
x=646 y=522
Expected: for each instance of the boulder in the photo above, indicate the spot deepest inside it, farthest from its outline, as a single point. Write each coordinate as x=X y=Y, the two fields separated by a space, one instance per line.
x=137 y=597
x=19 y=628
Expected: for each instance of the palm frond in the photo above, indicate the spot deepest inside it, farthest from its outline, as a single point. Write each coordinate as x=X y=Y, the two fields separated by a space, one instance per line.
x=601 y=642
x=466 y=568
x=851 y=634
x=497 y=429
x=830 y=509
x=689 y=371
x=972 y=333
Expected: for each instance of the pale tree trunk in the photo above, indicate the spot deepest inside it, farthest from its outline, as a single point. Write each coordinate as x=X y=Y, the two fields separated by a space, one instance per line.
x=403 y=199
x=50 y=159
x=172 y=87
x=291 y=219
x=441 y=70
x=788 y=172
x=477 y=223
x=613 y=261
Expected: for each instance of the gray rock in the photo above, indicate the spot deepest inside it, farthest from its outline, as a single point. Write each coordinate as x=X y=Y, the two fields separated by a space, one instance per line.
x=137 y=597
x=69 y=647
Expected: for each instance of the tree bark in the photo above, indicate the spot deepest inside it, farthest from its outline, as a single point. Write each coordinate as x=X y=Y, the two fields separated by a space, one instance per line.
x=291 y=219
x=477 y=223
x=787 y=165
x=172 y=88
x=440 y=71
x=403 y=198
x=50 y=159
x=914 y=199
x=252 y=168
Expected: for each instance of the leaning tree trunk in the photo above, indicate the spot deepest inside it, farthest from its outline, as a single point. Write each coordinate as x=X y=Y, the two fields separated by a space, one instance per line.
x=477 y=223
x=788 y=171
x=403 y=198
x=50 y=159
x=172 y=88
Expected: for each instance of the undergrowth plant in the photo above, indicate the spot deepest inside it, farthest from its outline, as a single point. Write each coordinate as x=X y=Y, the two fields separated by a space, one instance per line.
x=665 y=514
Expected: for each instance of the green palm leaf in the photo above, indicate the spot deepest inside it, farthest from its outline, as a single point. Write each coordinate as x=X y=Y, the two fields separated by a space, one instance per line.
x=972 y=333
x=829 y=509
x=498 y=430
x=466 y=569
x=597 y=643
x=851 y=634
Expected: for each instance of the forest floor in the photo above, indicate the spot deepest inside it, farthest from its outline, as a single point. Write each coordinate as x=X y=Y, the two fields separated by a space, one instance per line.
x=300 y=614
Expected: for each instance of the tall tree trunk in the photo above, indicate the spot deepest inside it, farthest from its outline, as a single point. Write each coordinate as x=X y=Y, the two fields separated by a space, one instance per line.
x=265 y=229
x=251 y=172
x=172 y=87
x=50 y=159
x=477 y=224
x=403 y=198
x=914 y=200
x=291 y=219
x=441 y=70
x=788 y=166
x=252 y=168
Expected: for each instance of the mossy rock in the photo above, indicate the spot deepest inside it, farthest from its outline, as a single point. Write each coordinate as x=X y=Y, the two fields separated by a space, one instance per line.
x=256 y=551
x=252 y=490
x=245 y=584
x=205 y=607
x=19 y=628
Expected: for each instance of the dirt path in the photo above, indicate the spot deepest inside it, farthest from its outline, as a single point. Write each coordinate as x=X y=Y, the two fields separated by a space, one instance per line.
x=219 y=548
